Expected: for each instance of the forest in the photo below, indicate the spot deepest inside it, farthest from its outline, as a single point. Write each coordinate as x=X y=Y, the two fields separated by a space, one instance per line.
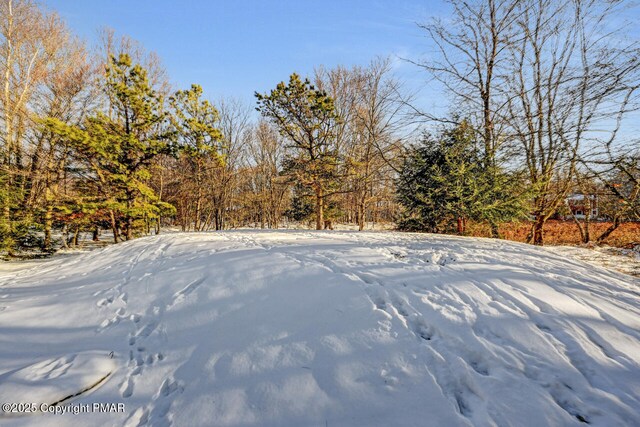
x=543 y=97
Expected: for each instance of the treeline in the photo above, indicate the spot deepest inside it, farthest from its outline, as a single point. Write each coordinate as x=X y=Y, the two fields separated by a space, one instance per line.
x=98 y=140
x=540 y=94
x=544 y=110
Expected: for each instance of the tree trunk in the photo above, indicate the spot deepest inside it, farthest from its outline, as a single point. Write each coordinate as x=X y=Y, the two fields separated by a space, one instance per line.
x=218 y=219
x=585 y=235
x=583 y=238
x=74 y=238
x=608 y=231
x=129 y=231
x=6 y=213
x=48 y=223
x=537 y=231
x=65 y=236
x=495 y=230
x=361 y=213
x=114 y=226
x=198 y=212
x=319 y=209
x=129 y=217
x=96 y=234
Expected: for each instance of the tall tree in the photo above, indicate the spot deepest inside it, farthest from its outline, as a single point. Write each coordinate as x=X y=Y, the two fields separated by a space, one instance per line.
x=225 y=180
x=30 y=39
x=199 y=142
x=267 y=151
x=570 y=76
x=68 y=94
x=119 y=147
x=378 y=122
x=306 y=117
x=471 y=61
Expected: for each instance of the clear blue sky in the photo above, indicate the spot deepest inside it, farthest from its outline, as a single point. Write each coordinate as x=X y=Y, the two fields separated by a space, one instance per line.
x=233 y=48
x=236 y=47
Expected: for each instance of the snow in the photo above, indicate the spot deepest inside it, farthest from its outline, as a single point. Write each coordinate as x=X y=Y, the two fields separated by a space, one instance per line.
x=57 y=379
x=299 y=328
x=624 y=260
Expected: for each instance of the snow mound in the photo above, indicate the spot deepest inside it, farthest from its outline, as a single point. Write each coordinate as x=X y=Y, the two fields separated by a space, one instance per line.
x=57 y=380
x=301 y=328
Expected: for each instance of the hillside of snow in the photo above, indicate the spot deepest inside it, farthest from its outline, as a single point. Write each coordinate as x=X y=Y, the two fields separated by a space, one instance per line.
x=303 y=328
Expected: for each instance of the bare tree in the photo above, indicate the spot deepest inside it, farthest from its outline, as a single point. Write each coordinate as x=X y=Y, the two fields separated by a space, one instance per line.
x=471 y=62
x=378 y=121
x=569 y=75
x=29 y=40
x=618 y=176
x=235 y=126
x=67 y=94
x=266 y=151
x=371 y=107
x=537 y=78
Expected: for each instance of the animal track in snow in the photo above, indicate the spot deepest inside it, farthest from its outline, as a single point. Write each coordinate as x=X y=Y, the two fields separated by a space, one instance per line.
x=126 y=389
x=156 y=412
x=179 y=296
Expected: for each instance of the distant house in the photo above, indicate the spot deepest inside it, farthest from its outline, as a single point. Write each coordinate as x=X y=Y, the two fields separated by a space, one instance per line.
x=581 y=204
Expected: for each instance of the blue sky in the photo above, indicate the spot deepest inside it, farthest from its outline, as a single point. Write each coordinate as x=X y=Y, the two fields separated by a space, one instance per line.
x=236 y=47
x=233 y=48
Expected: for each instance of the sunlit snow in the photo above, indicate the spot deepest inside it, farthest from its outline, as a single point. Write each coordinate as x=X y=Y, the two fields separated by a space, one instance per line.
x=300 y=328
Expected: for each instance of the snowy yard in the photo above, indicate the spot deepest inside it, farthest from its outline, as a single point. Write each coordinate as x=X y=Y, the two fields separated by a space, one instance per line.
x=299 y=328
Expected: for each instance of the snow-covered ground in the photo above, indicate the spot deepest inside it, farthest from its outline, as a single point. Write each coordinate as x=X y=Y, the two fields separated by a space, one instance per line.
x=624 y=260
x=299 y=328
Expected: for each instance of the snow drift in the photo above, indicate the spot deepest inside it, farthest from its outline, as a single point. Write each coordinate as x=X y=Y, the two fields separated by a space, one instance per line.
x=323 y=329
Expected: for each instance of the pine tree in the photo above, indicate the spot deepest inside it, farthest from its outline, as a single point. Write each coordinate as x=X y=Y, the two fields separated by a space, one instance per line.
x=118 y=147
x=306 y=117
x=199 y=142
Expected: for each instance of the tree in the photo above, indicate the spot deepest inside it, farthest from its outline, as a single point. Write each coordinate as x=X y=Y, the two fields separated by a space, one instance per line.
x=199 y=142
x=443 y=183
x=570 y=76
x=378 y=119
x=68 y=94
x=306 y=117
x=538 y=79
x=31 y=42
x=225 y=179
x=471 y=62
x=267 y=151
x=617 y=176
x=119 y=147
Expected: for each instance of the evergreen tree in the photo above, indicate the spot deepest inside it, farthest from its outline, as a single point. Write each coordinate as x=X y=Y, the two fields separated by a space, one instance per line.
x=301 y=207
x=306 y=117
x=199 y=142
x=444 y=182
x=118 y=147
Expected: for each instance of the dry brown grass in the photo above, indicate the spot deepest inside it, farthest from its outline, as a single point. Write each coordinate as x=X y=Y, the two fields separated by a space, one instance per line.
x=565 y=232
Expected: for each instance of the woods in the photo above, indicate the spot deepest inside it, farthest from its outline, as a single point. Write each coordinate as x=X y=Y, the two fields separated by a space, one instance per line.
x=543 y=84
x=540 y=95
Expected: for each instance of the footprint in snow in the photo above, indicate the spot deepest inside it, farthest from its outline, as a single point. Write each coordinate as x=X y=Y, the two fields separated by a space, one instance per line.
x=162 y=401
x=104 y=302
